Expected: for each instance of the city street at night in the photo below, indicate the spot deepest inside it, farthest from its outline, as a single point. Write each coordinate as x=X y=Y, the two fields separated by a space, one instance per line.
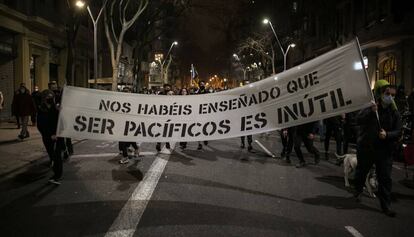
x=206 y=118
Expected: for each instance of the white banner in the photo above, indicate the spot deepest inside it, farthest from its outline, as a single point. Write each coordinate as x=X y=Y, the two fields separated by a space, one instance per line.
x=331 y=84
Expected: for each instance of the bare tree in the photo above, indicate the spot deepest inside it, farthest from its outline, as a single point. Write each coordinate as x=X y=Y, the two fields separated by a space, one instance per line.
x=115 y=35
x=151 y=28
x=261 y=45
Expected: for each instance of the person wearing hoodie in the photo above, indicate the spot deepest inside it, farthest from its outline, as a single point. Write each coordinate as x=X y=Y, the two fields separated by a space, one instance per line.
x=380 y=127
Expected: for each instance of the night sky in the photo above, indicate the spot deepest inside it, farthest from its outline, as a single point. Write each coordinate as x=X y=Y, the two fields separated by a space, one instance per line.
x=206 y=35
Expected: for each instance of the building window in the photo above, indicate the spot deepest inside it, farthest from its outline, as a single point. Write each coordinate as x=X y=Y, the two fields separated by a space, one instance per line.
x=159 y=57
x=388 y=69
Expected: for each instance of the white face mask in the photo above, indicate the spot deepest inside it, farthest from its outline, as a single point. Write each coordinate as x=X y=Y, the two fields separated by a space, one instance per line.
x=387 y=100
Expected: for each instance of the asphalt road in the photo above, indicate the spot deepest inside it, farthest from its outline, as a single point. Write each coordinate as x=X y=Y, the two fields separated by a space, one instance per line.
x=212 y=192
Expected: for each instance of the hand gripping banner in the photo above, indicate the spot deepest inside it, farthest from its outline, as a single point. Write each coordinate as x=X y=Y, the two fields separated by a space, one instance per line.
x=329 y=85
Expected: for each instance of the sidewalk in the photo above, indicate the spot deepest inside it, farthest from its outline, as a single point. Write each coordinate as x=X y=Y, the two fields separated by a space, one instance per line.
x=16 y=154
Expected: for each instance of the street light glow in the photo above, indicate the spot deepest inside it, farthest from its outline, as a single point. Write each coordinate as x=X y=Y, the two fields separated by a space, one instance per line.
x=175 y=43
x=266 y=21
x=292 y=45
x=80 y=4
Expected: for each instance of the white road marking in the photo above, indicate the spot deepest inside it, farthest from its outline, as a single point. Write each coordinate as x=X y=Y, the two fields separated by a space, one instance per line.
x=353 y=231
x=265 y=149
x=130 y=215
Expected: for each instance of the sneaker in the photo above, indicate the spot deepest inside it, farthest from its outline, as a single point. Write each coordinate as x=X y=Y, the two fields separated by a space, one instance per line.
x=301 y=164
x=65 y=156
x=54 y=181
x=250 y=148
x=21 y=137
x=124 y=160
x=287 y=160
x=199 y=147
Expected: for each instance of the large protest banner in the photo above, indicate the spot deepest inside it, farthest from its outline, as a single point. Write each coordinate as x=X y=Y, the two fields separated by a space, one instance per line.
x=332 y=84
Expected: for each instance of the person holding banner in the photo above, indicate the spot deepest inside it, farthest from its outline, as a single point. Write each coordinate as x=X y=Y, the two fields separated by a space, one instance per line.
x=124 y=146
x=167 y=91
x=287 y=135
x=47 y=119
x=201 y=90
x=334 y=127
x=305 y=133
x=183 y=91
x=381 y=127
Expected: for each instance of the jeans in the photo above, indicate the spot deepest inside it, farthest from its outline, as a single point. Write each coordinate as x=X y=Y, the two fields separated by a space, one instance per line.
x=24 y=120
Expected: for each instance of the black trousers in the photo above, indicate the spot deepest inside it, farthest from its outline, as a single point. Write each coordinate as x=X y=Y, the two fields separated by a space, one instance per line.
x=287 y=141
x=383 y=164
x=298 y=139
x=158 y=146
x=349 y=133
x=249 y=139
x=123 y=146
x=336 y=131
x=54 y=149
x=69 y=145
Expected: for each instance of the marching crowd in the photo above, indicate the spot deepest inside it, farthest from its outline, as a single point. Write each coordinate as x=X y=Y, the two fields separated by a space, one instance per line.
x=376 y=131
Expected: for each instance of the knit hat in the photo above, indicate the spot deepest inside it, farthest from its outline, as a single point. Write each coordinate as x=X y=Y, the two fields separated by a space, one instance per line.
x=378 y=85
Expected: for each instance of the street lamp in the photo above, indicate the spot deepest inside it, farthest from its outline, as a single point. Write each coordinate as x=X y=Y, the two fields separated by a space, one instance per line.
x=165 y=59
x=267 y=21
x=81 y=4
x=285 y=55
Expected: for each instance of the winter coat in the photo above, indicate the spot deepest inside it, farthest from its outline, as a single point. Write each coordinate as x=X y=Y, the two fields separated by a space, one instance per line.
x=390 y=121
x=47 y=120
x=23 y=104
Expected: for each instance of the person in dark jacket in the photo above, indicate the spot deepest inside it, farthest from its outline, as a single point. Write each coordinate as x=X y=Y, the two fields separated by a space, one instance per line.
x=37 y=100
x=334 y=127
x=124 y=146
x=167 y=89
x=287 y=136
x=201 y=90
x=183 y=91
x=47 y=119
x=305 y=133
x=376 y=143
x=23 y=107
